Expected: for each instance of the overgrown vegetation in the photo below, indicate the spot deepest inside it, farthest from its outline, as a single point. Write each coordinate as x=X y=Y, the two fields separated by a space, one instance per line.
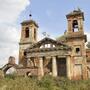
x=88 y=45
x=46 y=83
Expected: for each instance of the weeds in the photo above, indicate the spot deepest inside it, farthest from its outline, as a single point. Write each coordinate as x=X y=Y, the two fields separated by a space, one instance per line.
x=46 y=83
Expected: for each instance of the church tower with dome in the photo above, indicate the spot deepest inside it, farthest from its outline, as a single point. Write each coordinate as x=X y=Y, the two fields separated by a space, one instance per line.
x=29 y=30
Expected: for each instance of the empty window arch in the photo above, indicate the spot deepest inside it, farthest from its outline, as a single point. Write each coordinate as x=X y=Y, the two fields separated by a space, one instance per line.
x=34 y=34
x=27 y=32
x=75 y=25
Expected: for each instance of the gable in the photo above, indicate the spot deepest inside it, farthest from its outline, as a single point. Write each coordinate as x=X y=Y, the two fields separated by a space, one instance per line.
x=47 y=43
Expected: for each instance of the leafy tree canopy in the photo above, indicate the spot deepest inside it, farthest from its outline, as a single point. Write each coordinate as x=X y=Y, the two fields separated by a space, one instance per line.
x=88 y=45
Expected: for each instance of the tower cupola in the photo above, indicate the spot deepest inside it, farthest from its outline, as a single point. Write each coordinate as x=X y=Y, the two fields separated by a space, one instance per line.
x=29 y=30
x=75 y=21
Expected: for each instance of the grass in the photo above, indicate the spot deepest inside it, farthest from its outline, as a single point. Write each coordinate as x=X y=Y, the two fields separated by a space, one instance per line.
x=46 y=83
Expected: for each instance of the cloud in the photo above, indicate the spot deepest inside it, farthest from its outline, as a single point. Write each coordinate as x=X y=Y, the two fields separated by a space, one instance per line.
x=11 y=9
x=9 y=31
x=9 y=39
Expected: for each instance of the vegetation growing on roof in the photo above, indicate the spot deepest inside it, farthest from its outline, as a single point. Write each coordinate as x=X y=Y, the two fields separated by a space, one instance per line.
x=88 y=45
x=61 y=38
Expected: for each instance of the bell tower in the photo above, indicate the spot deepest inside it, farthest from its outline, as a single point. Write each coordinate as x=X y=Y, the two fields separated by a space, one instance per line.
x=29 y=30
x=75 y=22
x=76 y=39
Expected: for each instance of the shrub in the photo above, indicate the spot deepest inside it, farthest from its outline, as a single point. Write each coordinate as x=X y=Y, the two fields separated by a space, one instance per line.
x=46 y=83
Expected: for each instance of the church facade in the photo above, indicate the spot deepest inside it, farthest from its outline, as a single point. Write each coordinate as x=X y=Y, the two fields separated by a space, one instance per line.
x=63 y=57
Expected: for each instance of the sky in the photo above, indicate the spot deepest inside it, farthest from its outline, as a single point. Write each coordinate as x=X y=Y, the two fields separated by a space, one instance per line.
x=49 y=14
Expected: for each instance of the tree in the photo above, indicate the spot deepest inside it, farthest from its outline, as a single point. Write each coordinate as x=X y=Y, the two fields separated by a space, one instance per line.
x=88 y=45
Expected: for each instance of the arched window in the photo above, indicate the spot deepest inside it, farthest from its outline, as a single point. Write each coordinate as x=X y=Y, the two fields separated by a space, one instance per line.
x=24 y=53
x=34 y=34
x=26 y=32
x=75 y=26
x=11 y=70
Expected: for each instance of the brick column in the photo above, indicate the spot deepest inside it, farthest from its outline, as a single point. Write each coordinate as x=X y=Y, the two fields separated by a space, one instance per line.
x=41 y=67
x=54 y=67
x=68 y=67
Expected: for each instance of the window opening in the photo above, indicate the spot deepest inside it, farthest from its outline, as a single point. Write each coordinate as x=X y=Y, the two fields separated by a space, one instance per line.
x=27 y=32
x=34 y=34
x=77 y=50
x=75 y=26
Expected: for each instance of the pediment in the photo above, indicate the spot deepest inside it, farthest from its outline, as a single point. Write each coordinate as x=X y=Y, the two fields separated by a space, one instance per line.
x=48 y=43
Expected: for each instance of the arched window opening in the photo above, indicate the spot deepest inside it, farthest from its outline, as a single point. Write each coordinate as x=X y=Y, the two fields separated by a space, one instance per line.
x=27 y=32
x=34 y=34
x=77 y=50
x=47 y=45
x=75 y=26
x=11 y=71
x=24 y=53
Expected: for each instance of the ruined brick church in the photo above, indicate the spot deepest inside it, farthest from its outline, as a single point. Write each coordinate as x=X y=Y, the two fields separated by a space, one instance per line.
x=63 y=57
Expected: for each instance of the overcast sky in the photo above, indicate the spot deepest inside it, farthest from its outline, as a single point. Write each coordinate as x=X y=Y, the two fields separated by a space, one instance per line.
x=49 y=14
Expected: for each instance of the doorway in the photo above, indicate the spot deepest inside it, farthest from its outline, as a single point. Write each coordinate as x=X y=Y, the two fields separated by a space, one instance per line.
x=61 y=67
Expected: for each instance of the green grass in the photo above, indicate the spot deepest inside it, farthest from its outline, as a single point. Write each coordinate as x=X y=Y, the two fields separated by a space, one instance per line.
x=46 y=83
